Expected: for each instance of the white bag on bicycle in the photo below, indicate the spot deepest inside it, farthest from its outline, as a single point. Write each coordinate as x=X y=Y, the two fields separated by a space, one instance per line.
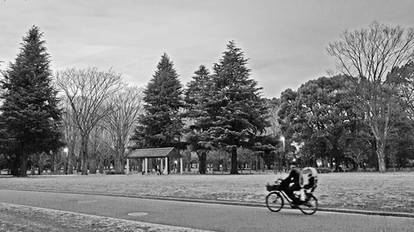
x=308 y=178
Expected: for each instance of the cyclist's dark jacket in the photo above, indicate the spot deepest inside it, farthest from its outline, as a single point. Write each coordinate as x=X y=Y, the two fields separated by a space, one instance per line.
x=293 y=177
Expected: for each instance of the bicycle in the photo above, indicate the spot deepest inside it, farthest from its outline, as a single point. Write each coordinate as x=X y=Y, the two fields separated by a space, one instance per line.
x=275 y=200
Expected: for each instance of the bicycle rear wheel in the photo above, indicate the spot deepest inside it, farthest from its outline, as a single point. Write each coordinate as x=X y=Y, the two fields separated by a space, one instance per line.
x=274 y=201
x=310 y=206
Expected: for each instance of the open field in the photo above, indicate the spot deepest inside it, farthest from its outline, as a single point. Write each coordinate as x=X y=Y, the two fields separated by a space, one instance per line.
x=370 y=191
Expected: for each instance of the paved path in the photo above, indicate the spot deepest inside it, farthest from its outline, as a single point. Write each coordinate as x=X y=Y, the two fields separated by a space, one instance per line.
x=206 y=216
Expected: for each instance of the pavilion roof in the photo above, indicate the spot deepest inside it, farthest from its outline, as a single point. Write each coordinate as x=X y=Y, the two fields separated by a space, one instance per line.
x=160 y=152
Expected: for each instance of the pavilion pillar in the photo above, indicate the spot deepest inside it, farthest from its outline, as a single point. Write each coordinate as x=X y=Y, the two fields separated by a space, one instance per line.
x=161 y=166
x=166 y=166
x=181 y=165
x=143 y=166
x=127 y=166
x=146 y=165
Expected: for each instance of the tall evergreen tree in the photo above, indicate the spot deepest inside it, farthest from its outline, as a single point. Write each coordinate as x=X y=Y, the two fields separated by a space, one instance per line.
x=161 y=125
x=197 y=96
x=237 y=110
x=30 y=119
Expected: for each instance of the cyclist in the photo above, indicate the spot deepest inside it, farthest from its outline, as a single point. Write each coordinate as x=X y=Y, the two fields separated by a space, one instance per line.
x=292 y=183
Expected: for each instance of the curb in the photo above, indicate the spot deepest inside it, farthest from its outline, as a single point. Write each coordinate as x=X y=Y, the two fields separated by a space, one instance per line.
x=255 y=204
x=227 y=202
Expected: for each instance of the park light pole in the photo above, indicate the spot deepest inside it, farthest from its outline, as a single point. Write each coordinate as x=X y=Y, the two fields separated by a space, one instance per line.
x=127 y=161
x=283 y=140
x=66 y=151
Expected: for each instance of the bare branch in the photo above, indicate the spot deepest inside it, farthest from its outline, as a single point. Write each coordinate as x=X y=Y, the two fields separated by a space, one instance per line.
x=122 y=120
x=87 y=91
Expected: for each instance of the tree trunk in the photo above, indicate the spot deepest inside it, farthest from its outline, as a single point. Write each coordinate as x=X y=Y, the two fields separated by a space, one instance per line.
x=84 y=154
x=202 y=165
x=23 y=165
x=54 y=164
x=39 y=169
x=69 y=162
x=357 y=165
x=119 y=167
x=65 y=165
x=92 y=164
x=101 y=165
x=71 y=155
x=79 y=164
x=233 y=169
x=14 y=170
x=381 y=155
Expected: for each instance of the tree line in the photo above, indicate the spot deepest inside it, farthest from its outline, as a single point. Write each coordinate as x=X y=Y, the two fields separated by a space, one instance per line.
x=89 y=119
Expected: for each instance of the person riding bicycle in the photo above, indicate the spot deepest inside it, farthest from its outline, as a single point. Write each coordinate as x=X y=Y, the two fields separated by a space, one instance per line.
x=292 y=183
x=298 y=181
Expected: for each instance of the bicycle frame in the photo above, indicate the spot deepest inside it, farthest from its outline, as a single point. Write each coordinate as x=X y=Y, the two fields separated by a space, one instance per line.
x=285 y=196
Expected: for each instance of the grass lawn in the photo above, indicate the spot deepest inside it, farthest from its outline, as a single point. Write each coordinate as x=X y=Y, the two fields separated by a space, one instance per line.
x=18 y=218
x=372 y=191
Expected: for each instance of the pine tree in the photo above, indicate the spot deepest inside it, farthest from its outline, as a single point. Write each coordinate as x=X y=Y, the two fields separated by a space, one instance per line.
x=161 y=124
x=30 y=119
x=197 y=96
x=237 y=110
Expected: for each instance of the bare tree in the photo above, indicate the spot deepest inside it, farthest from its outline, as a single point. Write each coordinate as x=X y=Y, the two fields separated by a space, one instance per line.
x=121 y=122
x=87 y=91
x=96 y=142
x=369 y=55
x=70 y=134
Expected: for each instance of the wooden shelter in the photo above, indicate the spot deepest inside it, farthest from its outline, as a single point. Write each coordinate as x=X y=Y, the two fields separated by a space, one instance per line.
x=162 y=155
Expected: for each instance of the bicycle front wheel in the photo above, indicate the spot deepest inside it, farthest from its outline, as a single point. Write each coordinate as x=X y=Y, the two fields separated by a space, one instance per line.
x=310 y=206
x=274 y=201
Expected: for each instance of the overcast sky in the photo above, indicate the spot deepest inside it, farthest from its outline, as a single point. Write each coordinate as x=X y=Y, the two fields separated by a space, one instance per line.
x=284 y=40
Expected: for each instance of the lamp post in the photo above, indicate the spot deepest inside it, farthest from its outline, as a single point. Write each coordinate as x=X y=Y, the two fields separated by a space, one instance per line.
x=66 y=151
x=283 y=140
x=66 y=167
x=127 y=161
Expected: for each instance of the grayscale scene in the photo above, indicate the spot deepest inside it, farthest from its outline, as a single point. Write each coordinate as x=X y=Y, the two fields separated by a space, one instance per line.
x=218 y=115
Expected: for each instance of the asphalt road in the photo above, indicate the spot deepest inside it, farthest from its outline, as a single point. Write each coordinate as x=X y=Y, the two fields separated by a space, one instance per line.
x=206 y=216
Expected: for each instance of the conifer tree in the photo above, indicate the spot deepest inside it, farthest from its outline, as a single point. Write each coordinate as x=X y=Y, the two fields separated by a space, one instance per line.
x=197 y=96
x=161 y=125
x=30 y=119
x=237 y=110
